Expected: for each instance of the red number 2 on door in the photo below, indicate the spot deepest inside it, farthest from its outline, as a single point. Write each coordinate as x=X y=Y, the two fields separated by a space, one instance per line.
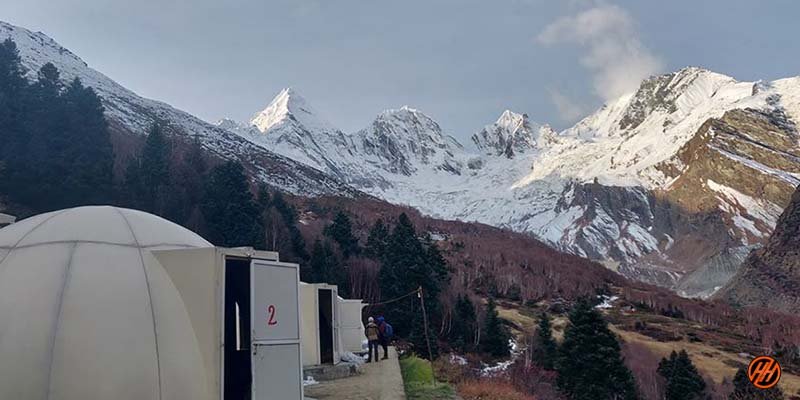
x=271 y=320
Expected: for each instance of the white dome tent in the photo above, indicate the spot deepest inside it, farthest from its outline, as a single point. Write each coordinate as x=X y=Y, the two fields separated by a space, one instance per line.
x=87 y=312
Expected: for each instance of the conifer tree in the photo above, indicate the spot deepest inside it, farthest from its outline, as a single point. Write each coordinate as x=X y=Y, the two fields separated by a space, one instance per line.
x=743 y=389
x=325 y=266
x=589 y=365
x=377 y=239
x=409 y=263
x=229 y=210
x=263 y=199
x=155 y=169
x=341 y=232
x=12 y=95
x=418 y=340
x=84 y=171
x=295 y=249
x=185 y=192
x=545 y=349
x=683 y=380
x=56 y=151
x=462 y=333
x=495 y=337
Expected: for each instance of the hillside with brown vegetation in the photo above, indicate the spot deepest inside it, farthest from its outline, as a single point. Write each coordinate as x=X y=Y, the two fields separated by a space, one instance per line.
x=521 y=269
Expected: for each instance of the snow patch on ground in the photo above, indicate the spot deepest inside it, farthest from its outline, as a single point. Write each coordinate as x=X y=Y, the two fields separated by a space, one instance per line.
x=607 y=302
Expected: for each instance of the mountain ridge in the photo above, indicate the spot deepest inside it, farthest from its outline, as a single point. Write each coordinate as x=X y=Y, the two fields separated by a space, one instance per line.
x=131 y=114
x=567 y=188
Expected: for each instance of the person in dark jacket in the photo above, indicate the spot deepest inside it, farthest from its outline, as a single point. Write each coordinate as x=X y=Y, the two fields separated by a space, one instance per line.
x=373 y=337
x=385 y=335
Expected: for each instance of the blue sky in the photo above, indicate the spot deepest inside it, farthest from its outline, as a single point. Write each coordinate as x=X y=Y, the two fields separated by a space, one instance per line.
x=461 y=61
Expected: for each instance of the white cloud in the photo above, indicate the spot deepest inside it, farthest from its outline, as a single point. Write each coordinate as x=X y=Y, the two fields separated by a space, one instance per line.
x=616 y=58
x=568 y=109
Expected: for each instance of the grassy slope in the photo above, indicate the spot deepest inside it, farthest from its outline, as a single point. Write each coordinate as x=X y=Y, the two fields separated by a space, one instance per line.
x=418 y=381
x=717 y=363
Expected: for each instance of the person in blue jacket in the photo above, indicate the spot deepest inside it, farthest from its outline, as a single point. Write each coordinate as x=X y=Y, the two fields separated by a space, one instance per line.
x=386 y=332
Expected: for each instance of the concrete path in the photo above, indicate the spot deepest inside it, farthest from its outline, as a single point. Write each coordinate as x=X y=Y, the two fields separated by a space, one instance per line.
x=377 y=381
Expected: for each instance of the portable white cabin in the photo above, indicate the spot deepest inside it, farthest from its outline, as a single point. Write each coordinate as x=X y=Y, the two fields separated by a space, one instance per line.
x=319 y=323
x=351 y=325
x=244 y=307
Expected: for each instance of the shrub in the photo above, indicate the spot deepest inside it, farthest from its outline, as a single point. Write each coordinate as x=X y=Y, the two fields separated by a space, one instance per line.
x=491 y=389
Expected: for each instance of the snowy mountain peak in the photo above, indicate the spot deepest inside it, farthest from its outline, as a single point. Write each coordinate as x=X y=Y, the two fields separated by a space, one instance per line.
x=405 y=137
x=290 y=107
x=409 y=123
x=664 y=92
x=511 y=134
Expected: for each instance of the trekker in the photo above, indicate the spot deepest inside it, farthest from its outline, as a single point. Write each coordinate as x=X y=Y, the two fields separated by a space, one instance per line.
x=373 y=335
x=386 y=332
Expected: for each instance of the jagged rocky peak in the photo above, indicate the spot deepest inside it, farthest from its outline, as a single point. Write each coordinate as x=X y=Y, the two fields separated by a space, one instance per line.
x=511 y=134
x=409 y=125
x=404 y=137
x=289 y=107
x=661 y=93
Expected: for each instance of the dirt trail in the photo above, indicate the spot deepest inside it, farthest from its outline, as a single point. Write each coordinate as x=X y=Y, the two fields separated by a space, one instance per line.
x=377 y=381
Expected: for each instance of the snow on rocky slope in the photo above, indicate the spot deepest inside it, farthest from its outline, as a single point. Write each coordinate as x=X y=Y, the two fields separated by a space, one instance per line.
x=512 y=134
x=132 y=114
x=681 y=176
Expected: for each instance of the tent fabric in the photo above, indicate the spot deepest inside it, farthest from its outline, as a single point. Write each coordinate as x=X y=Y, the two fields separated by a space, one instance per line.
x=87 y=312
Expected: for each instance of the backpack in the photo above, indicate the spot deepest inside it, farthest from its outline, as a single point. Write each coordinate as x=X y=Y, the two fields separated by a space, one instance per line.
x=388 y=331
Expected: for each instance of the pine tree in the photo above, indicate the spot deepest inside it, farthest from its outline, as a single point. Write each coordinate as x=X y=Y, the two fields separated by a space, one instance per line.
x=341 y=232
x=13 y=87
x=154 y=170
x=589 y=364
x=14 y=93
x=55 y=139
x=322 y=263
x=410 y=263
x=187 y=176
x=86 y=168
x=418 y=340
x=683 y=380
x=376 y=240
x=231 y=215
x=462 y=332
x=495 y=336
x=743 y=389
x=545 y=349
x=263 y=199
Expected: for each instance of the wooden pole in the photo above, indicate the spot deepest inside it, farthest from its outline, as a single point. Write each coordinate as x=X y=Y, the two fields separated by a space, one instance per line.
x=427 y=339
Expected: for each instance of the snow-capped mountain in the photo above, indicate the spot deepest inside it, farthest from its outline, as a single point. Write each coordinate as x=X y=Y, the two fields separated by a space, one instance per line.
x=405 y=141
x=671 y=184
x=398 y=142
x=129 y=113
x=512 y=134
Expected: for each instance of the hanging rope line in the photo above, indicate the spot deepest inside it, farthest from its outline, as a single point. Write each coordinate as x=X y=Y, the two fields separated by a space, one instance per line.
x=396 y=298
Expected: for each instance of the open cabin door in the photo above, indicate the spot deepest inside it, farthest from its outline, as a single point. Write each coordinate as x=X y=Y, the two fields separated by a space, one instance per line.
x=275 y=316
x=337 y=342
x=328 y=324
